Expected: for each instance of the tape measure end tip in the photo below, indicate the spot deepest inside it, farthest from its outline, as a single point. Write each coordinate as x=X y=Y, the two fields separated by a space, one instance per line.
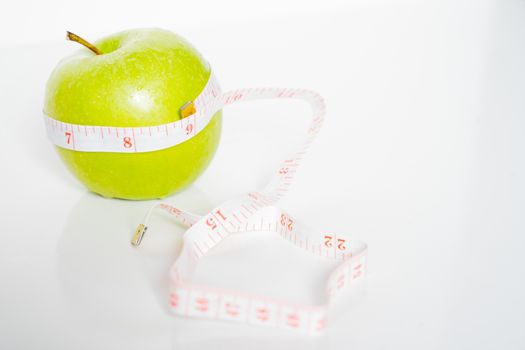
x=138 y=235
x=187 y=109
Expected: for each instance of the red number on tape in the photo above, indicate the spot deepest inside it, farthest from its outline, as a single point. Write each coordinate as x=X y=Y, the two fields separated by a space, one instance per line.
x=286 y=221
x=328 y=241
x=127 y=142
x=189 y=129
x=232 y=309
x=174 y=300
x=357 y=271
x=262 y=313
x=340 y=281
x=221 y=215
x=341 y=244
x=68 y=137
x=202 y=304
x=320 y=324
x=286 y=94
x=293 y=320
x=211 y=223
x=234 y=98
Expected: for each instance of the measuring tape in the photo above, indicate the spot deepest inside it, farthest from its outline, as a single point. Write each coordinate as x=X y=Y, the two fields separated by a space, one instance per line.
x=255 y=211
x=89 y=138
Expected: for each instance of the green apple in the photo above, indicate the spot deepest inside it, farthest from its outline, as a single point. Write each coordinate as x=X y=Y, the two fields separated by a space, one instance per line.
x=141 y=77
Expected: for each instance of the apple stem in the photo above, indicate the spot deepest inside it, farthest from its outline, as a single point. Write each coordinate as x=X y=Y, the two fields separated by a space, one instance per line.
x=76 y=38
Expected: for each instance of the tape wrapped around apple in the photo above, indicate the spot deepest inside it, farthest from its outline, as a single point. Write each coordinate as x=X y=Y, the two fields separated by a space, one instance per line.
x=133 y=78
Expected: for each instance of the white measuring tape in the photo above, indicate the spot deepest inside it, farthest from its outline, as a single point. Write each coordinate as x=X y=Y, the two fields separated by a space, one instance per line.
x=254 y=211
x=89 y=138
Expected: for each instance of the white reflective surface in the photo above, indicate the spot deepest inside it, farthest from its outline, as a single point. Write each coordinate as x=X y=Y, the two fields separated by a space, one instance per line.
x=421 y=156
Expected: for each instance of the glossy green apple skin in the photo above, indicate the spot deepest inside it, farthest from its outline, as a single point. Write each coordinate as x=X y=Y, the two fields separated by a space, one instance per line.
x=142 y=79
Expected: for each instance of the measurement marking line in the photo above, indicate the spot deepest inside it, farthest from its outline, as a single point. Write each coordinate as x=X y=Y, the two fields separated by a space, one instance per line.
x=247 y=209
x=236 y=218
x=335 y=245
x=134 y=142
x=198 y=248
x=213 y=239
x=73 y=139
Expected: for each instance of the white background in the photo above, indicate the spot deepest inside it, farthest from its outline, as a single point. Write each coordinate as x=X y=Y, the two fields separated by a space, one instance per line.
x=421 y=156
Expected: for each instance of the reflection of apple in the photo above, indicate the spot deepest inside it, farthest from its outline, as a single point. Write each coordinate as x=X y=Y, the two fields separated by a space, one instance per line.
x=106 y=288
x=140 y=78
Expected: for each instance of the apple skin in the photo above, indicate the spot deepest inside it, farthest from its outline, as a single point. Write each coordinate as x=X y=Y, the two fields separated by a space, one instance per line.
x=142 y=78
